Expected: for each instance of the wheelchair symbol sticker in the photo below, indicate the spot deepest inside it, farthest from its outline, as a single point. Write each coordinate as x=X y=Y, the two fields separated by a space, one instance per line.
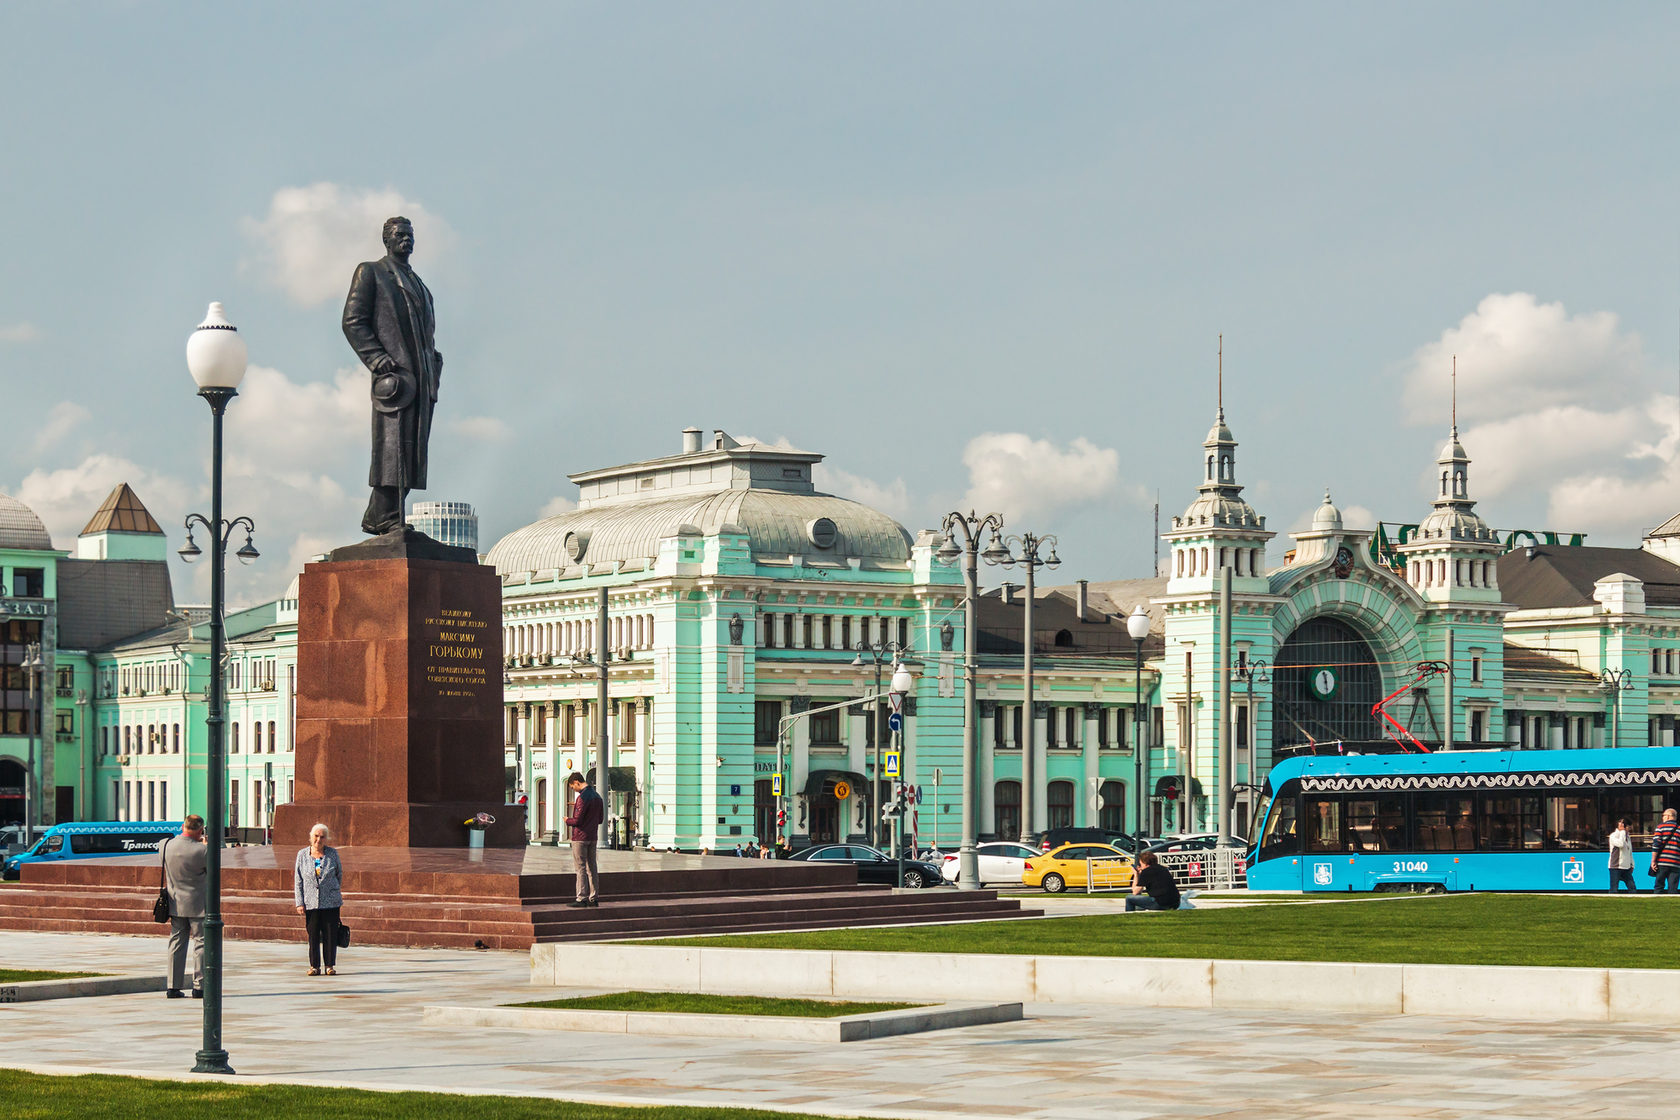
x=1321 y=874
x=1575 y=872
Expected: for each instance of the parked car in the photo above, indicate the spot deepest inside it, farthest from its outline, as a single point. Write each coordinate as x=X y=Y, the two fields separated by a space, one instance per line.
x=1196 y=842
x=873 y=865
x=1065 y=867
x=1001 y=861
x=11 y=839
x=1056 y=837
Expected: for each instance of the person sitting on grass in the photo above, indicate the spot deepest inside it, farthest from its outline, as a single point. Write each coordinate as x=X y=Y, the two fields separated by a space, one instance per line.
x=1152 y=887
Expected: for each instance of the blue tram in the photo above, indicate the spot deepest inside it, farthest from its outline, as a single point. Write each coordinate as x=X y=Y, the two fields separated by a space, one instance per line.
x=1459 y=820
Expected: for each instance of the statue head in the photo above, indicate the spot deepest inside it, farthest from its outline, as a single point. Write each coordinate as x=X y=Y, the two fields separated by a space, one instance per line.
x=398 y=236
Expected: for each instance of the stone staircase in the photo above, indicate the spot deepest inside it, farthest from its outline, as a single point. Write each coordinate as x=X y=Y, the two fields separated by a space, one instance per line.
x=423 y=905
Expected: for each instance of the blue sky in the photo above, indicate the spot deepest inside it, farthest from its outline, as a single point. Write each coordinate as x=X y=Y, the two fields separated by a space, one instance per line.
x=975 y=253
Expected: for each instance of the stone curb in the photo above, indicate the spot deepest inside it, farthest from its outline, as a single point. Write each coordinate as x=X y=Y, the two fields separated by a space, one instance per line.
x=843 y=1028
x=32 y=990
x=1472 y=991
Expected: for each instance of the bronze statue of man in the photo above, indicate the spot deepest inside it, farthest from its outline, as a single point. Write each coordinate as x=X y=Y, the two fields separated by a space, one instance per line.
x=389 y=321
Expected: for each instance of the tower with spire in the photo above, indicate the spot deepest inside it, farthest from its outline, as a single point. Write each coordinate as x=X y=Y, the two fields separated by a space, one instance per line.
x=1219 y=530
x=1452 y=562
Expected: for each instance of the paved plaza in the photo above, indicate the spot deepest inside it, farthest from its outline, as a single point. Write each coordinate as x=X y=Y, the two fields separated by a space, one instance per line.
x=1062 y=1061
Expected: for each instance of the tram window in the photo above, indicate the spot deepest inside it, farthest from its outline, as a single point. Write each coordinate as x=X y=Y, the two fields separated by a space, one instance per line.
x=1281 y=837
x=1376 y=824
x=1324 y=825
x=1510 y=824
x=1643 y=812
x=1445 y=822
x=1572 y=822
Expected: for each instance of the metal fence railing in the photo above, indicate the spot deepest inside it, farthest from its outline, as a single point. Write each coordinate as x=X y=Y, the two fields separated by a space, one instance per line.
x=1209 y=869
x=1113 y=873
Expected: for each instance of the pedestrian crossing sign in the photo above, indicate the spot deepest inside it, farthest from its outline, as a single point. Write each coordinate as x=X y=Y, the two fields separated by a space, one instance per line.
x=775 y=785
x=890 y=766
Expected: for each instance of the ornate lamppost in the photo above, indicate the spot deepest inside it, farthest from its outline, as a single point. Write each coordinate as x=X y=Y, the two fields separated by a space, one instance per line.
x=216 y=359
x=1137 y=625
x=32 y=665
x=1024 y=551
x=970 y=527
x=1253 y=672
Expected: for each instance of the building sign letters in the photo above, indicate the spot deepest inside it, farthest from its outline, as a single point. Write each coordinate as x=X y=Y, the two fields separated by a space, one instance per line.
x=457 y=660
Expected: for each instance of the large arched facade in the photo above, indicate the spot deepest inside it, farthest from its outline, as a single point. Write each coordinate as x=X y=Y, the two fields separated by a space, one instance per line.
x=1343 y=642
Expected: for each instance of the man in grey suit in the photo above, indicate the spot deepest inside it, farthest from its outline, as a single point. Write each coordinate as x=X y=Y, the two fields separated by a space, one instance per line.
x=184 y=859
x=389 y=322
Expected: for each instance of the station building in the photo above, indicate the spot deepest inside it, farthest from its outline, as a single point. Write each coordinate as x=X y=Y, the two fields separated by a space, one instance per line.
x=737 y=595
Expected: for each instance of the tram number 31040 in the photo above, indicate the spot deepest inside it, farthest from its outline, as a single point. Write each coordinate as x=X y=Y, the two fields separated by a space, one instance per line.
x=1410 y=865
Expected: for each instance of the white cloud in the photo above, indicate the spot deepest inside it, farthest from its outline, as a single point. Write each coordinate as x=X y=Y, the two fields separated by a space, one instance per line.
x=312 y=238
x=1567 y=406
x=19 y=332
x=891 y=498
x=485 y=428
x=556 y=506
x=1518 y=355
x=64 y=499
x=1015 y=475
x=62 y=419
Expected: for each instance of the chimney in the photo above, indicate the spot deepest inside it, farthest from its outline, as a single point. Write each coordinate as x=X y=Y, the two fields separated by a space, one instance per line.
x=1082 y=597
x=1006 y=592
x=691 y=440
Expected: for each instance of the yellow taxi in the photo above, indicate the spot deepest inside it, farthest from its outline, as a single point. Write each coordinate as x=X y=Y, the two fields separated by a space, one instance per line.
x=1065 y=867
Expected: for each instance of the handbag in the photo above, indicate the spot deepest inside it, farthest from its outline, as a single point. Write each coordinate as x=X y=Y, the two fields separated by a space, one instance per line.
x=160 y=906
x=343 y=937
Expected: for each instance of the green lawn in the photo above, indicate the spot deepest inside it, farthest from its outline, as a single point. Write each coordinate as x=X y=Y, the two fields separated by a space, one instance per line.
x=688 y=1003
x=1461 y=929
x=30 y=1096
x=24 y=975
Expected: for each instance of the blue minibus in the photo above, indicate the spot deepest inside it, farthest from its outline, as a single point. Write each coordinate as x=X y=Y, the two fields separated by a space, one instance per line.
x=1459 y=820
x=91 y=839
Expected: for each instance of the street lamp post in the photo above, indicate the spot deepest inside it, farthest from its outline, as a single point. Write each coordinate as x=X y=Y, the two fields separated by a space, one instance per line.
x=216 y=359
x=903 y=681
x=1252 y=672
x=1137 y=625
x=970 y=527
x=1023 y=550
x=880 y=652
x=32 y=664
x=1616 y=682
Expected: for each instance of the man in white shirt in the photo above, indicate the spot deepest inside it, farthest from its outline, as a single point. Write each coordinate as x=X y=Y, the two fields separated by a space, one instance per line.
x=1621 y=858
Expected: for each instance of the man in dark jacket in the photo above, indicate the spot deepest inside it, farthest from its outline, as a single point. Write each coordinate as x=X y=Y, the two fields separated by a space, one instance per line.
x=389 y=322
x=585 y=821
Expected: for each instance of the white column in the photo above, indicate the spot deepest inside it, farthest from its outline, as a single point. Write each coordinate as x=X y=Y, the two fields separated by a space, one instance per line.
x=798 y=623
x=555 y=779
x=1042 y=713
x=986 y=823
x=1089 y=815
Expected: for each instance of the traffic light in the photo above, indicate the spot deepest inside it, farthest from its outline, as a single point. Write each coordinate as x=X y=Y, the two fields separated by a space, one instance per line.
x=781 y=818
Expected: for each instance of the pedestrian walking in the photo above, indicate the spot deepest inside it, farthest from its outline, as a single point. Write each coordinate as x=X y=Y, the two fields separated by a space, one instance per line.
x=185 y=858
x=318 y=891
x=1621 y=858
x=1665 y=853
x=585 y=822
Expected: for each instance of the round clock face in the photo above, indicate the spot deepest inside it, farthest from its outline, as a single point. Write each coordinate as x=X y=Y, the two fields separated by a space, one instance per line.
x=1323 y=683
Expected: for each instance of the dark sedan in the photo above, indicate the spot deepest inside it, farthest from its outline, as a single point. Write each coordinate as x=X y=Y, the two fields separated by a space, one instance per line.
x=874 y=866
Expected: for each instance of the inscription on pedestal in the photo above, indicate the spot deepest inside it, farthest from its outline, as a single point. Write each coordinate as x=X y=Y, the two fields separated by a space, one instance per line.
x=457 y=660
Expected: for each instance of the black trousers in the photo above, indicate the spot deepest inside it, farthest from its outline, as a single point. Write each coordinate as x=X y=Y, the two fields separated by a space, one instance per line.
x=1622 y=875
x=323 y=937
x=384 y=510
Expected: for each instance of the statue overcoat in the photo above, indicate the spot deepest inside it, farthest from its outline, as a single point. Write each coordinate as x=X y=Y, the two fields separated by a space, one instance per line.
x=389 y=322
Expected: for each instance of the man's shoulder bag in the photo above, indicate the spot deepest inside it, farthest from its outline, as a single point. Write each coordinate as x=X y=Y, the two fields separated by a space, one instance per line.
x=160 y=908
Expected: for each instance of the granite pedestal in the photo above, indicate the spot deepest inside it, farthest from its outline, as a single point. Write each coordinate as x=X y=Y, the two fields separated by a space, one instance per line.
x=399 y=705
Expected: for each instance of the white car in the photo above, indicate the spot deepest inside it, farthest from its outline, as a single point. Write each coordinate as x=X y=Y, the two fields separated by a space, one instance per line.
x=1000 y=862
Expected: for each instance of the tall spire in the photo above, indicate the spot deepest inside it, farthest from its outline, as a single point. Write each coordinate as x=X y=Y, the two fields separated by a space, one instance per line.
x=1455 y=396
x=1222 y=375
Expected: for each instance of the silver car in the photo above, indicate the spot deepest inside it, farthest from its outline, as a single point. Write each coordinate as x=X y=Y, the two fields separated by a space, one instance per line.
x=1000 y=862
